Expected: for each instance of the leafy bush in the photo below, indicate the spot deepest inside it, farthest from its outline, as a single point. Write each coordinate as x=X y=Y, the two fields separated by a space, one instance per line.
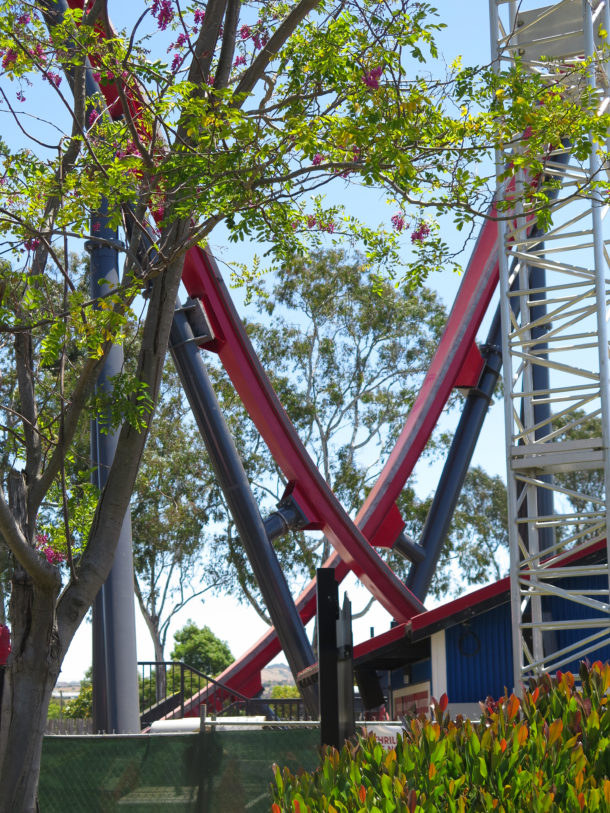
x=549 y=751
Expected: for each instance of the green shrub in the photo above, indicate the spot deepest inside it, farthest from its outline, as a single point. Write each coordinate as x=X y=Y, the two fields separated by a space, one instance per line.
x=549 y=751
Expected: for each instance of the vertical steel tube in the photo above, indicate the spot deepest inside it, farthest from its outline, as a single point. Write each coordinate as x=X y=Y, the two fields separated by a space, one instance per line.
x=115 y=675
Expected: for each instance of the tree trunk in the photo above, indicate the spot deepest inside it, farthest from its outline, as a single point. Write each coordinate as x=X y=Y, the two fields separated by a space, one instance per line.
x=161 y=682
x=32 y=672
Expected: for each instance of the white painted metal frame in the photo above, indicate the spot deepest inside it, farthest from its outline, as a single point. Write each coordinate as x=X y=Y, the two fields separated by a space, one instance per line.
x=548 y=548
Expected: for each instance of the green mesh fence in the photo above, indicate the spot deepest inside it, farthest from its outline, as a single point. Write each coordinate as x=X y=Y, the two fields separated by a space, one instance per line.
x=211 y=772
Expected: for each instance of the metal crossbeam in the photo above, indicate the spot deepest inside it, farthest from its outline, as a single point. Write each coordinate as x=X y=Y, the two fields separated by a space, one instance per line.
x=555 y=360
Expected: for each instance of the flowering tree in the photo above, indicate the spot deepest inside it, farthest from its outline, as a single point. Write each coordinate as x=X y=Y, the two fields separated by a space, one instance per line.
x=223 y=113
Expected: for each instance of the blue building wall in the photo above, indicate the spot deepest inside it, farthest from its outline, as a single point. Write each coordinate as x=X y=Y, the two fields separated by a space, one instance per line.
x=479 y=656
x=562 y=611
x=479 y=651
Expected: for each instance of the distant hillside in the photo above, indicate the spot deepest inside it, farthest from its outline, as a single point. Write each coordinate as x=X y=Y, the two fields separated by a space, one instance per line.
x=276 y=675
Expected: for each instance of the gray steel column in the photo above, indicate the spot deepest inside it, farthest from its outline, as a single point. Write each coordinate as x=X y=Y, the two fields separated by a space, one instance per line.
x=115 y=670
x=232 y=479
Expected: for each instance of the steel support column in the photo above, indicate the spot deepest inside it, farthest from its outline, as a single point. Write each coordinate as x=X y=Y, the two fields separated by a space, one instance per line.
x=115 y=670
x=232 y=478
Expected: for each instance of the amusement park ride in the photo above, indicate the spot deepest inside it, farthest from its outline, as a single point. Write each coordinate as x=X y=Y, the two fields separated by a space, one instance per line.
x=550 y=338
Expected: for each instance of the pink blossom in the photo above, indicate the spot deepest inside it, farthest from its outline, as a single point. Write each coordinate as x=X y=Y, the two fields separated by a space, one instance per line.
x=31 y=244
x=317 y=159
x=38 y=53
x=371 y=79
x=20 y=96
x=398 y=221
x=53 y=78
x=294 y=225
x=199 y=15
x=311 y=222
x=158 y=213
x=420 y=233
x=53 y=557
x=330 y=227
x=239 y=60
x=182 y=40
x=97 y=76
x=9 y=58
x=176 y=62
x=93 y=117
x=260 y=39
x=163 y=12
x=23 y=19
x=245 y=31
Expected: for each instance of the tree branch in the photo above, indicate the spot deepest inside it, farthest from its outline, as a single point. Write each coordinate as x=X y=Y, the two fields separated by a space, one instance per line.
x=276 y=41
x=40 y=571
x=225 y=60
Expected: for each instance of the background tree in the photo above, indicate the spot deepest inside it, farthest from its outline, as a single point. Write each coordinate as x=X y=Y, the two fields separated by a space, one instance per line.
x=169 y=514
x=346 y=359
x=262 y=105
x=200 y=648
x=476 y=547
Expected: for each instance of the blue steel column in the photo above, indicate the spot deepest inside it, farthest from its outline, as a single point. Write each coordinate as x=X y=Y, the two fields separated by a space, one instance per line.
x=234 y=483
x=115 y=680
x=115 y=670
x=456 y=466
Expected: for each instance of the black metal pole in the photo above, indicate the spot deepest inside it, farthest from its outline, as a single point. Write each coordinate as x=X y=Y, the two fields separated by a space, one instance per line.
x=236 y=488
x=327 y=596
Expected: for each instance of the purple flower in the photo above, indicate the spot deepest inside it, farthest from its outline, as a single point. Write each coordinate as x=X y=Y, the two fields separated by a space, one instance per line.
x=239 y=60
x=311 y=222
x=93 y=117
x=182 y=40
x=330 y=227
x=20 y=96
x=9 y=58
x=199 y=15
x=398 y=221
x=23 y=19
x=260 y=39
x=53 y=78
x=176 y=62
x=245 y=31
x=371 y=79
x=317 y=159
x=38 y=53
x=97 y=76
x=420 y=233
x=31 y=244
x=163 y=12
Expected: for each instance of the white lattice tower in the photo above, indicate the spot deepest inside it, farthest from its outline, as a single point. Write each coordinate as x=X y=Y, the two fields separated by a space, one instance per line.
x=554 y=301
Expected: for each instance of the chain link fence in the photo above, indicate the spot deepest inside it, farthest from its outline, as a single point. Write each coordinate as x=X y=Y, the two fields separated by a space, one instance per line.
x=206 y=772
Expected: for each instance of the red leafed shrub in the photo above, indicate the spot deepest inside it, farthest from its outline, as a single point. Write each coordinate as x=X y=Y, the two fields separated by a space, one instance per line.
x=548 y=751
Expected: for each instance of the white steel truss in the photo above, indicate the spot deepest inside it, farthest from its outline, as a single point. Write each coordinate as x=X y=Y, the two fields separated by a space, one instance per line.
x=555 y=291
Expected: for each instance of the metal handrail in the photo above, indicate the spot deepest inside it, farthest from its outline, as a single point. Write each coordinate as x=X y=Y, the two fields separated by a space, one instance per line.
x=185 y=669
